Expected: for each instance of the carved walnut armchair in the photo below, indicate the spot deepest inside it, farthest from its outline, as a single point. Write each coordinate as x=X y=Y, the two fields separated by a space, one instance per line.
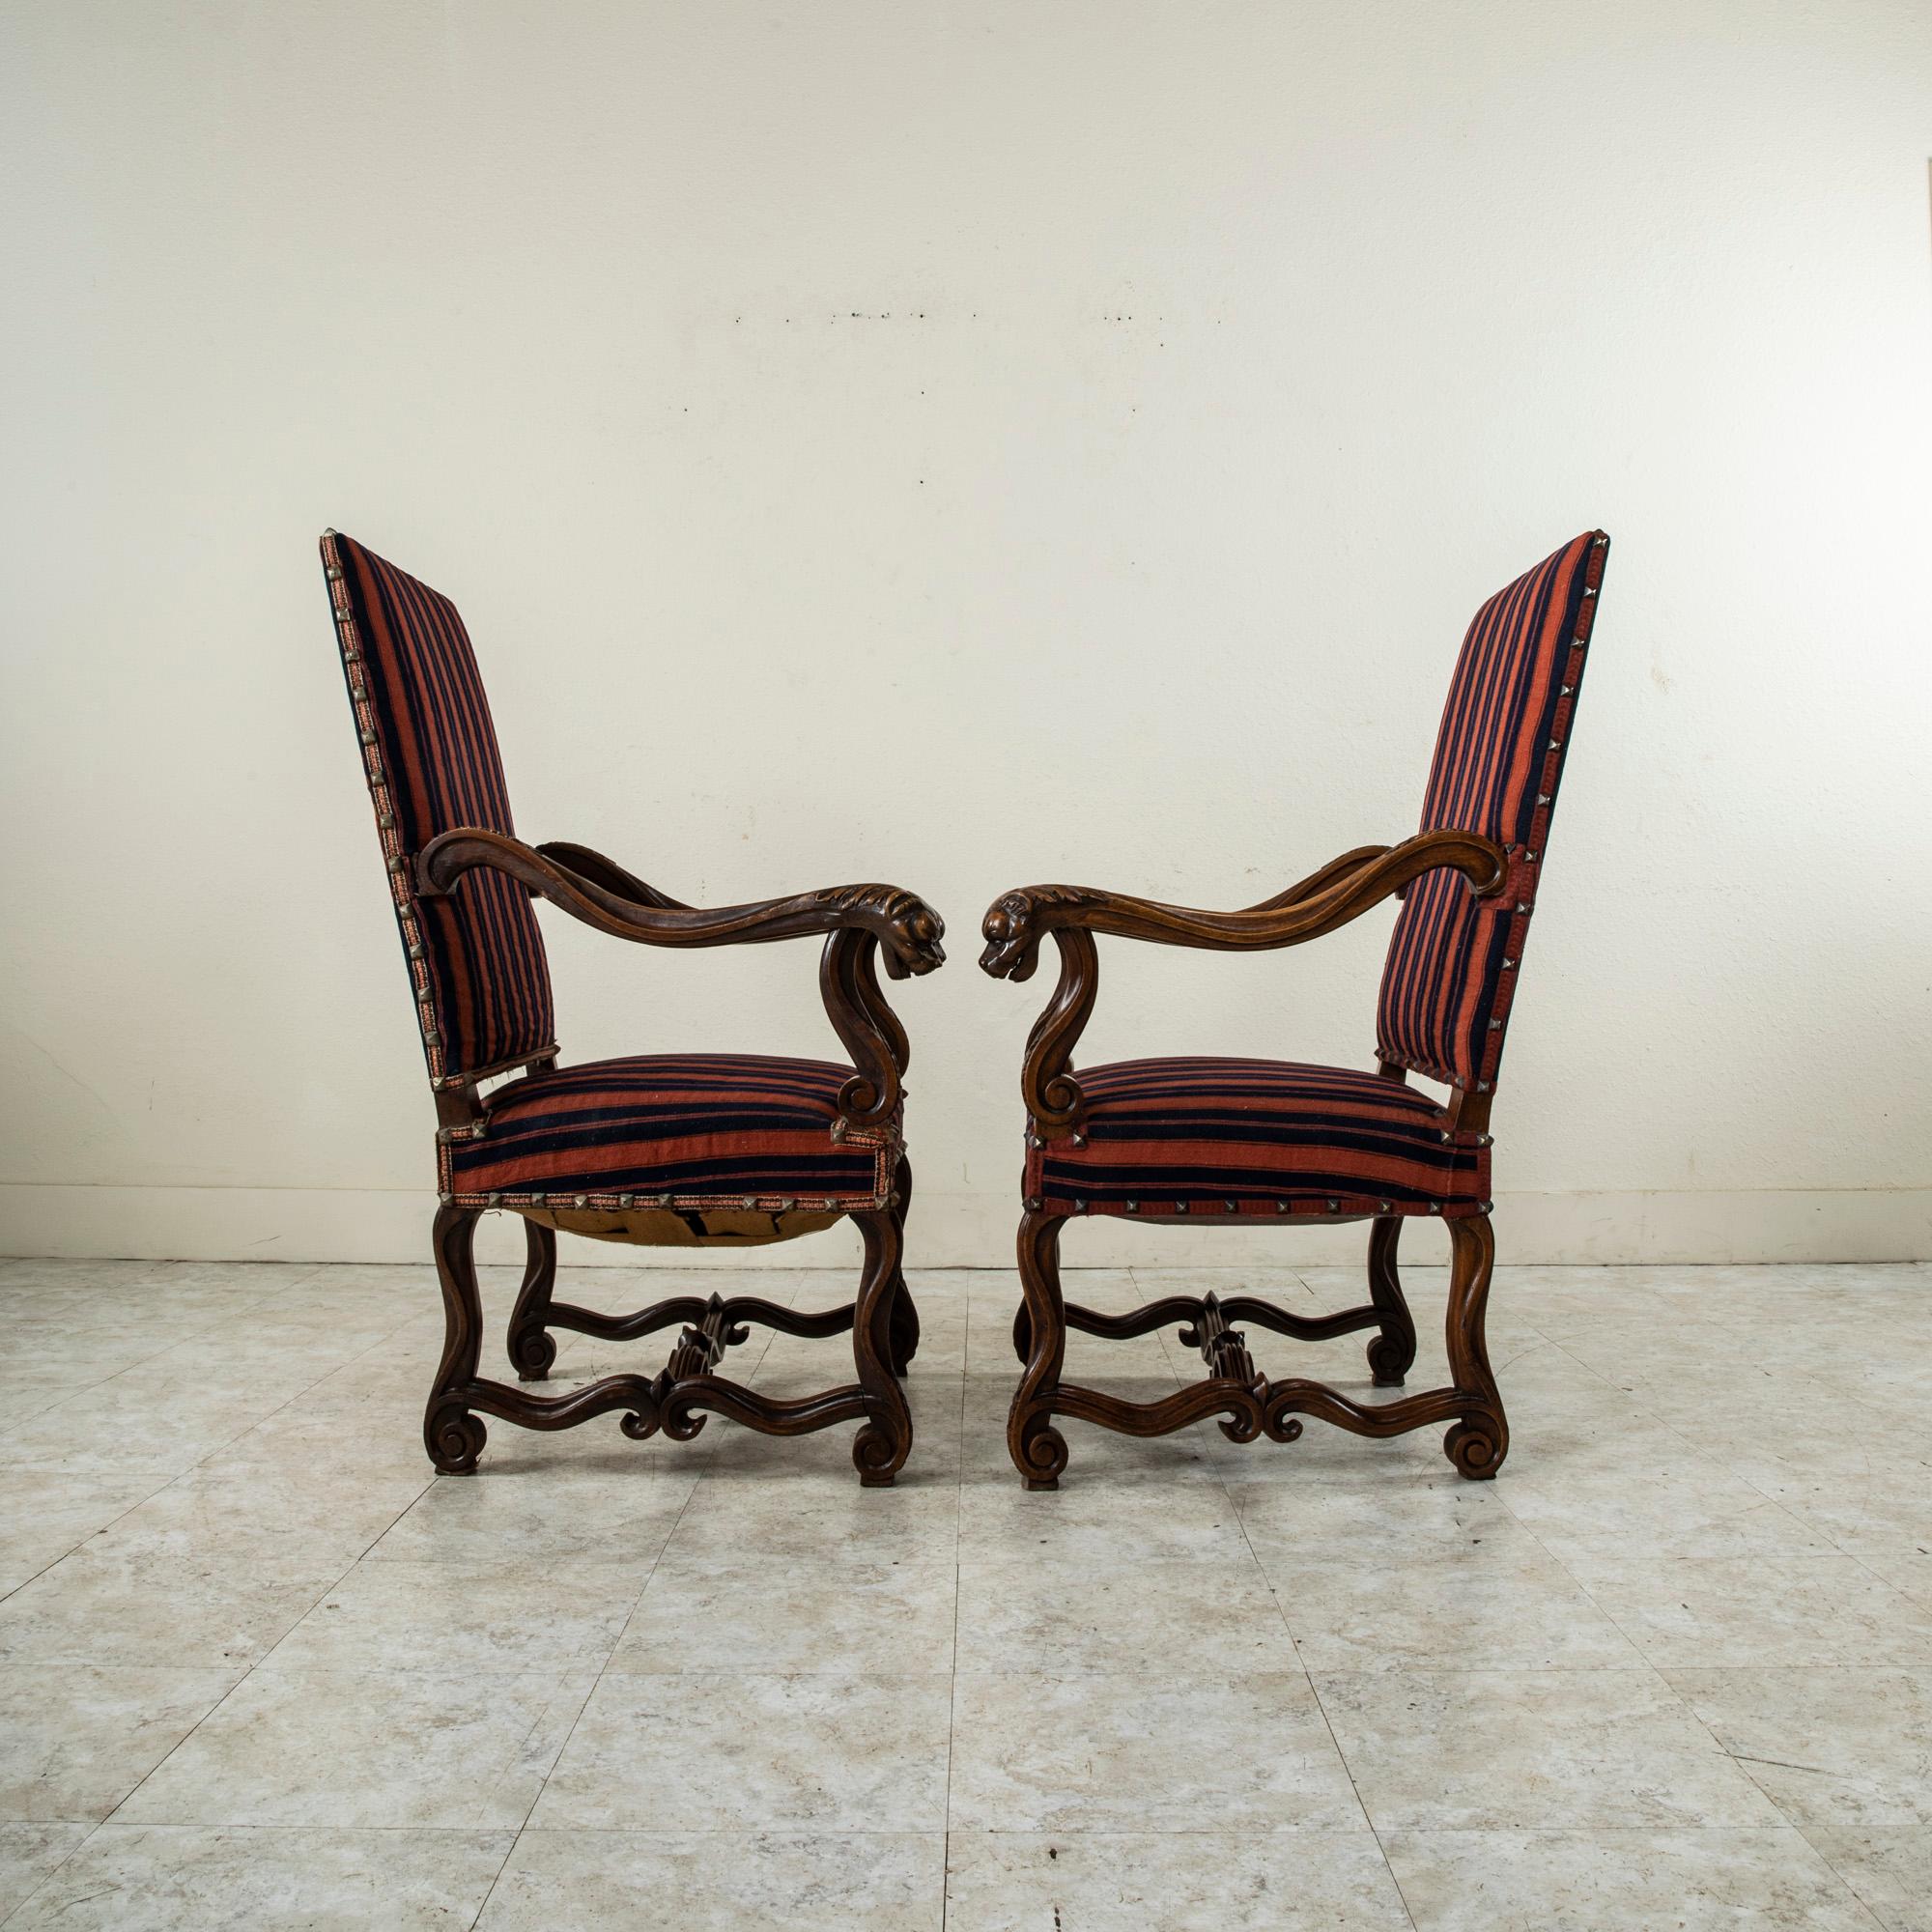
x=678 y=1149
x=1221 y=1140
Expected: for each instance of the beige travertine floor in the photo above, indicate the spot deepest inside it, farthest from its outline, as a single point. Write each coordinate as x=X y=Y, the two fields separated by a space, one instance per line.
x=258 y=1669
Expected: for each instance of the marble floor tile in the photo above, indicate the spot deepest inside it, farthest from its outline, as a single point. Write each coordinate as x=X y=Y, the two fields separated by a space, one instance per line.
x=30 y=1855
x=73 y=1746
x=450 y=1751
x=727 y=1612
x=1540 y=1749
x=1311 y=1881
x=742 y=1752
x=459 y=1617
x=1671 y=1669
x=1239 y=1753
x=590 y=1881
x=210 y=1610
x=44 y=1512
x=1498 y=1599
x=1831 y=1747
x=267 y=1523
x=732 y=1513
x=1180 y=1617
x=1741 y=1612
x=1716 y=1879
x=161 y=1878
x=1120 y=1523
x=541 y=1519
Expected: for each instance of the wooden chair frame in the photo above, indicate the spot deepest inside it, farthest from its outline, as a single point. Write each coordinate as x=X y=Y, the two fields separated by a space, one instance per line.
x=1248 y=1403
x=859 y=921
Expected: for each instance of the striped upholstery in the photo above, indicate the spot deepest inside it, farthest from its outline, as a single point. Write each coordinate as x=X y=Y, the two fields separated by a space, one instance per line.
x=1256 y=1137
x=705 y=1130
x=476 y=958
x=1453 y=959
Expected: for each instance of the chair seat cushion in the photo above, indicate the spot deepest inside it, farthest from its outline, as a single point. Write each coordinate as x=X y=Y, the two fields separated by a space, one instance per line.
x=673 y=1131
x=1256 y=1138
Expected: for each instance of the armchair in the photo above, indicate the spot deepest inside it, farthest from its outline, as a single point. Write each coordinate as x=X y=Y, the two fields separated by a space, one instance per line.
x=1218 y=1140
x=668 y=1149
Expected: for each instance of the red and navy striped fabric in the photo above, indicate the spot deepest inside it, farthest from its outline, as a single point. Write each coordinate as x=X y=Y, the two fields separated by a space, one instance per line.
x=1453 y=959
x=1256 y=1137
x=673 y=1131
x=476 y=958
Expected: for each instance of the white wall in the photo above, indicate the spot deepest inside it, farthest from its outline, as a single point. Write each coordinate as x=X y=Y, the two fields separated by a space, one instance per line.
x=969 y=444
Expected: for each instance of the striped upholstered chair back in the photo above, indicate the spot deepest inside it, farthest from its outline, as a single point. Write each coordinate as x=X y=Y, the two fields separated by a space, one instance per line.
x=1454 y=958
x=476 y=962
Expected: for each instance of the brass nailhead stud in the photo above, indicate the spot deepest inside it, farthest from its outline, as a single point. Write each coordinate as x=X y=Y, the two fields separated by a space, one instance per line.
x=1133 y=1207
x=1509 y=965
x=1481 y=1087
x=493 y=1200
x=1383 y=1207
x=1079 y=1139
x=1496 y=1025
x=333 y=572
x=1079 y=1205
x=1522 y=905
x=1589 y=591
x=627 y=1201
x=1543 y=798
x=1031 y=1204
x=1556 y=743
x=1180 y=1206
x=416 y=952
x=580 y=1201
x=662 y=1201
x=1334 y=1207
x=1529 y=853
x=447 y=1200
x=1435 y=1207
x=431 y=1036
x=1231 y=1206
x=367 y=737
x=749 y=1201
x=1564 y=690
x=385 y=819
x=785 y=1206
x=1280 y=1206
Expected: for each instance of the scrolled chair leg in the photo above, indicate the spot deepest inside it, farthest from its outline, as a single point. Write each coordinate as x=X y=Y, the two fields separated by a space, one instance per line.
x=883 y=1439
x=1392 y=1353
x=906 y=1315
x=1038 y=1449
x=1478 y=1441
x=532 y=1347
x=453 y=1434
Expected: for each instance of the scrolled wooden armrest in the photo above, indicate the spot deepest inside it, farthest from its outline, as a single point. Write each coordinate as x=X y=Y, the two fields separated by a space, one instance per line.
x=1339 y=891
x=857 y=920
x=608 y=873
x=608 y=899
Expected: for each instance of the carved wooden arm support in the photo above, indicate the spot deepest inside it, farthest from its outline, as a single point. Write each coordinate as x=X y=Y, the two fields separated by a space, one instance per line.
x=1339 y=891
x=857 y=920
x=903 y=923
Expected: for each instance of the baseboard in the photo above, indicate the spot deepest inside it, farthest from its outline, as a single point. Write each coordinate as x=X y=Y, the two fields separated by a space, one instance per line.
x=970 y=1230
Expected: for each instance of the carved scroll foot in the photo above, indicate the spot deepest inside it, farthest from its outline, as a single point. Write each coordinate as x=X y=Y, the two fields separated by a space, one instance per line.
x=533 y=1349
x=1038 y=1451
x=1392 y=1353
x=1477 y=1447
x=454 y=1436
x=1480 y=1439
